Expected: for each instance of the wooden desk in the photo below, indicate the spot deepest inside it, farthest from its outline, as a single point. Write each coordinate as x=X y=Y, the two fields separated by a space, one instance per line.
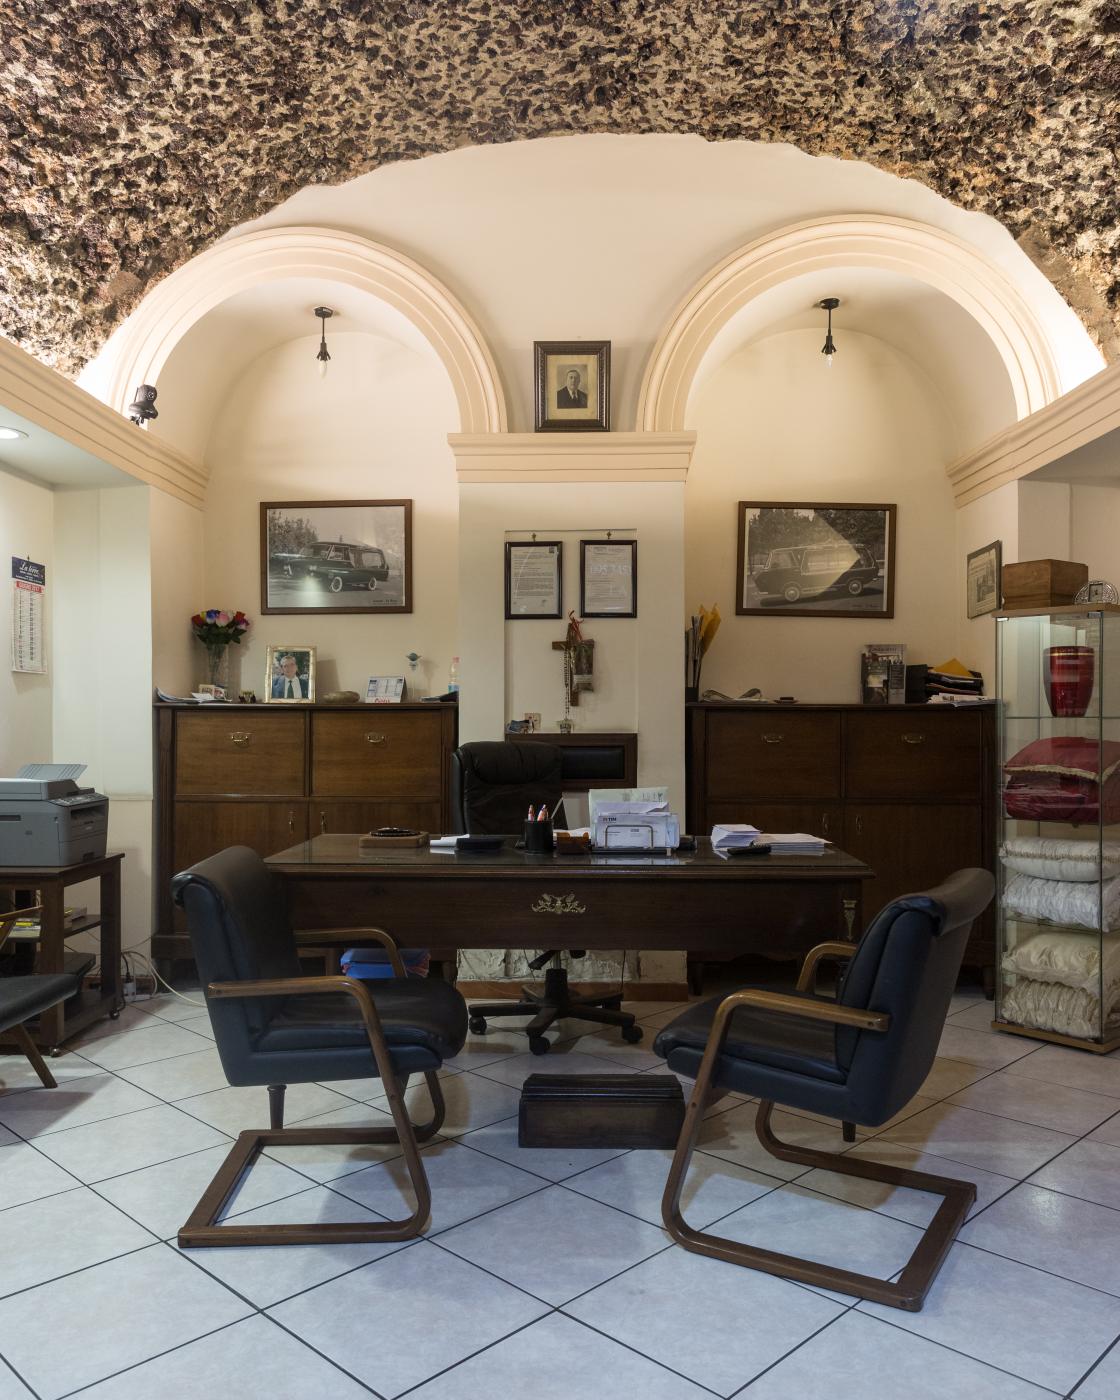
x=52 y=882
x=775 y=905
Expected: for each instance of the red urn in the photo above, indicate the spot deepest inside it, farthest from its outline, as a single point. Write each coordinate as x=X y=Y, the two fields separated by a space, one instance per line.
x=1067 y=676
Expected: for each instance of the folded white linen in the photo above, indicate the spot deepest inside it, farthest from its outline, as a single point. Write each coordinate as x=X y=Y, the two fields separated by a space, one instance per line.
x=1059 y=858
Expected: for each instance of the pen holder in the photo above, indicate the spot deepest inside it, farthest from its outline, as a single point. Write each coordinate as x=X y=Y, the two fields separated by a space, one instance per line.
x=539 y=839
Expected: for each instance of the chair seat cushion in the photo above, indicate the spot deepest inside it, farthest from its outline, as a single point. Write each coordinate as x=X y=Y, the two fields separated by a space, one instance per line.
x=421 y=1013
x=24 y=997
x=755 y=1037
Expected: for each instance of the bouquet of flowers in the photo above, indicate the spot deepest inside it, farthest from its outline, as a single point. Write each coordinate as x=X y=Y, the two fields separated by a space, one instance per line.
x=217 y=628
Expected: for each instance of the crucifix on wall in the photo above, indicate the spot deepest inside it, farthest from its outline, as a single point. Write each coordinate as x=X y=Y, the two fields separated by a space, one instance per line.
x=579 y=663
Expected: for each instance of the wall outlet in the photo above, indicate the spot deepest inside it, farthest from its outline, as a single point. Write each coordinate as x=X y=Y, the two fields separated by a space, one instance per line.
x=128 y=991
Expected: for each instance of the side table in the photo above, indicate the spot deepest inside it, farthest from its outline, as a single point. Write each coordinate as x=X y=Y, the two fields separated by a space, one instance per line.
x=56 y=1026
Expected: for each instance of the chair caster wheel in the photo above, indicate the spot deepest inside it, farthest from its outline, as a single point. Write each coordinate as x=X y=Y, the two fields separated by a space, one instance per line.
x=114 y=1015
x=538 y=1044
x=631 y=1034
x=477 y=1025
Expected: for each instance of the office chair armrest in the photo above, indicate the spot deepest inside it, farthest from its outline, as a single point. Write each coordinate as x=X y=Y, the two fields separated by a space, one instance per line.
x=387 y=941
x=852 y=1017
x=807 y=979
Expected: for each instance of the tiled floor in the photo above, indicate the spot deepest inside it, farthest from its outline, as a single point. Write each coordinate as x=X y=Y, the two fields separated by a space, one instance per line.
x=548 y=1273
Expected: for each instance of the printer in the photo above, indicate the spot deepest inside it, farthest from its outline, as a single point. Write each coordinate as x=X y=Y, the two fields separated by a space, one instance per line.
x=46 y=819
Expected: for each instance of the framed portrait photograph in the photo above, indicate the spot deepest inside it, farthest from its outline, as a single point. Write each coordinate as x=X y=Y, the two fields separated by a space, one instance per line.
x=336 y=557
x=289 y=675
x=572 y=386
x=982 y=579
x=798 y=560
x=608 y=578
x=534 y=579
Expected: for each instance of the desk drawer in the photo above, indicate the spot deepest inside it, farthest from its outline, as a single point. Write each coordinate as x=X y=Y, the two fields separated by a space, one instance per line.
x=775 y=752
x=376 y=754
x=238 y=753
x=913 y=754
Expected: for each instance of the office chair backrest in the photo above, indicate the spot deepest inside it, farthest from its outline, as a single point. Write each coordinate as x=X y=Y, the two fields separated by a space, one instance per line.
x=907 y=966
x=494 y=784
x=238 y=921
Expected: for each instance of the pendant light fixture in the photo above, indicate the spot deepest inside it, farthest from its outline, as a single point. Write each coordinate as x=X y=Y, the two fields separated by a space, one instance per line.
x=324 y=355
x=828 y=349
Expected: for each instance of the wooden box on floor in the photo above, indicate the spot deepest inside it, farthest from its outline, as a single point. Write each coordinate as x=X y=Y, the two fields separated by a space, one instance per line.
x=600 y=1110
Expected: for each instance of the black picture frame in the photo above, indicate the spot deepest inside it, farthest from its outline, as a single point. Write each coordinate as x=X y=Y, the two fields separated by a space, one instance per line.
x=513 y=579
x=587 y=550
x=590 y=362
x=371 y=574
x=982 y=578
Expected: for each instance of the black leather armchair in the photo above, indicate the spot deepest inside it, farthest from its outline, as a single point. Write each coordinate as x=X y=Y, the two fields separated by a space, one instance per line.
x=26 y=996
x=274 y=1026
x=859 y=1058
x=493 y=785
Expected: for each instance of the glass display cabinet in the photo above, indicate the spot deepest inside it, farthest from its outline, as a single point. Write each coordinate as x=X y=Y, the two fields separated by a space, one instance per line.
x=1058 y=958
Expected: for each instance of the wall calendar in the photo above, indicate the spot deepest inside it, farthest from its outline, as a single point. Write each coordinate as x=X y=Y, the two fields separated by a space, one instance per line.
x=29 y=588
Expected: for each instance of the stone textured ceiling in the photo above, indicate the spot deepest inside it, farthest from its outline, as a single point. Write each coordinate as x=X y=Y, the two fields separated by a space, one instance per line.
x=135 y=135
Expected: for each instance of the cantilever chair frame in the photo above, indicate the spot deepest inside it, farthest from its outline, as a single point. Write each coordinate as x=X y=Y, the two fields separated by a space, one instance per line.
x=202 y=1227
x=921 y=1269
x=20 y=1034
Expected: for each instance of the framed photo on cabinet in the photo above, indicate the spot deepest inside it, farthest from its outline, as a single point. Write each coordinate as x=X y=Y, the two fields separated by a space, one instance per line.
x=608 y=578
x=289 y=674
x=799 y=560
x=534 y=579
x=572 y=386
x=982 y=579
x=336 y=557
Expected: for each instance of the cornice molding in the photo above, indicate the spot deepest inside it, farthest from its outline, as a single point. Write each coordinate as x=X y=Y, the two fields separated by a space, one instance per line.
x=1077 y=418
x=571 y=457
x=42 y=395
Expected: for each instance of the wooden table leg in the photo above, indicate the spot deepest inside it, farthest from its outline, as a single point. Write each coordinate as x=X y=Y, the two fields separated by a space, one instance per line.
x=110 y=892
x=52 y=946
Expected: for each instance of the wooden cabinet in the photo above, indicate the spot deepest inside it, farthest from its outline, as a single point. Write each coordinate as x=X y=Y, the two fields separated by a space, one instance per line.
x=268 y=777
x=906 y=788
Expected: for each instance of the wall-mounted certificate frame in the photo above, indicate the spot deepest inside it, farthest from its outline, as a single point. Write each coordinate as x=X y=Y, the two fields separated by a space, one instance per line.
x=534 y=579
x=608 y=578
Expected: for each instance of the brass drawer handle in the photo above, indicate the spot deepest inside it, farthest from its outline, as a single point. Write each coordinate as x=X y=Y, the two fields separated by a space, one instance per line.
x=372 y=738
x=240 y=737
x=772 y=738
x=913 y=738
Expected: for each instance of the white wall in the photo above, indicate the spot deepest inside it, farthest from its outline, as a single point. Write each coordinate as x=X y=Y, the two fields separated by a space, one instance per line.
x=774 y=424
x=26 y=528
x=177 y=545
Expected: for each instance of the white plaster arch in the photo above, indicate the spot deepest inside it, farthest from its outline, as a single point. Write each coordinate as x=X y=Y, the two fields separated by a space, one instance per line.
x=138 y=350
x=917 y=250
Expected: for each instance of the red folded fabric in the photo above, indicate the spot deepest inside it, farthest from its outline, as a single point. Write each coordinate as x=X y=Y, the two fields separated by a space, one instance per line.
x=1060 y=779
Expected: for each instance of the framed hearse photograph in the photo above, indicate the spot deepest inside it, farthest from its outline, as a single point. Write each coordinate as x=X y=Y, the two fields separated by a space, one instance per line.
x=608 y=578
x=572 y=386
x=336 y=557
x=289 y=674
x=982 y=578
x=534 y=584
x=798 y=560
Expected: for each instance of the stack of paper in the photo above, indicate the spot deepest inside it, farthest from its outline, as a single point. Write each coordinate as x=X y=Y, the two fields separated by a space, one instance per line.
x=733 y=836
x=792 y=843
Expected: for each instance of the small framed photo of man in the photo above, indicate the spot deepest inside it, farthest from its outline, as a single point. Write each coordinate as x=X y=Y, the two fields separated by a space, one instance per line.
x=572 y=386
x=289 y=675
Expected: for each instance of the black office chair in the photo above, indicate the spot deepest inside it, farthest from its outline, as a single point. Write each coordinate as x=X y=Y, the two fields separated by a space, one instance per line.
x=859 y=1058
x=493 y=785
x=26 y=995
x=274 y=1026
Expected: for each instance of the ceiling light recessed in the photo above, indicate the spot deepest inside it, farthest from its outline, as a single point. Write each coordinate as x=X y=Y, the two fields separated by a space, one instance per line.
x=11 y=434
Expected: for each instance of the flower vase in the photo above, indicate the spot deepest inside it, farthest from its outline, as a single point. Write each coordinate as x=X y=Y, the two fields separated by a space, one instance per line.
x=217 y=664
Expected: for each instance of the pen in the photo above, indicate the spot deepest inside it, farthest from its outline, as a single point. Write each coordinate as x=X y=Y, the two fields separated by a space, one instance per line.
x=542 y=815
x=529 y=818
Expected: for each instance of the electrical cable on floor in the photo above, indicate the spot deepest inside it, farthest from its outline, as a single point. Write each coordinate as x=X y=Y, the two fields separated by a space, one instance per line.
x=162 y=981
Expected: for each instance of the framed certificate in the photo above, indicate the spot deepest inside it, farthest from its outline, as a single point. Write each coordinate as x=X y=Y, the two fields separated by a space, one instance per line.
x=608 y=578
x=533 y=579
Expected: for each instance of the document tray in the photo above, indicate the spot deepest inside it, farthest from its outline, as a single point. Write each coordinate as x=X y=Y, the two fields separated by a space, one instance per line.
x=600 y=1110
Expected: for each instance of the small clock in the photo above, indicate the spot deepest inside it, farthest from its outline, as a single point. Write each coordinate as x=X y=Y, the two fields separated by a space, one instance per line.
x=1097 y=590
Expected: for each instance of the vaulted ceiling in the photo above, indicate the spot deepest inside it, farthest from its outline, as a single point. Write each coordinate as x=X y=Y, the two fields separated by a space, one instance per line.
x=136 y=135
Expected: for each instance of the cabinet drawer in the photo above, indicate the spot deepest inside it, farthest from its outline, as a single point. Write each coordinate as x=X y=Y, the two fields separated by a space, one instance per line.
x=376 y=754
x=775 y=752
x=914 y=754
x=330 y=816
x=240 y=754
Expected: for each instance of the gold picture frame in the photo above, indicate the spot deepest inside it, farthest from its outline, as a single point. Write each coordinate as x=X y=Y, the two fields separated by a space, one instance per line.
x=279 y=677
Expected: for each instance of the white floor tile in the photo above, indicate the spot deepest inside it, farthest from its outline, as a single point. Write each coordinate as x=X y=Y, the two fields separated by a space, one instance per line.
x=1109 y=1131
x=731 y=1135
x=233 y=1110
x=502 y=1040
x=421 y=1336
x=718 y=1323
x=977 y=1016
x=267 y=1274
x=87 y=1100
x=464 y=1184
x=1075 y=1068
x=11 y=1388
x=169 y=1008
x=915 y=1105
x=17 y=1074
x=1074 y=1239
x=609 y=1045
x=200 y=1024
x=129 y=1019
x=56 y=1235
x=26 y=1175
x=1090 y=1170
x=838 y=1363
x=1103 y=1383
x=950 y=1077
x=1041 y=1328
x=984 y=1140
x=253 y=1360
x=635 y=1183
x=472 y=1102
x=169 y=1302
x=151 y=1040
x=597 y=1243
x=985 y=1049
x=554 y=1163
x=561 y=1059
x=161 y=1198
x=326 y=1162
x=1036 y=1101
x=181 y=1077
x=557 y=1359
x=125 y=1144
